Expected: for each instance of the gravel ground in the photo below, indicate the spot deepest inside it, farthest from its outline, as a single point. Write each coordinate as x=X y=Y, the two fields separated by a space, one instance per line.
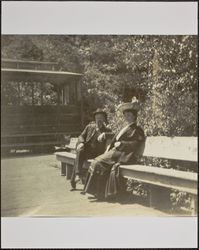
x=32 y=186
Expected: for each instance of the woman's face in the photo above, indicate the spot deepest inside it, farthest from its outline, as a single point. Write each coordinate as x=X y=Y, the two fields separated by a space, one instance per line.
x=129 y=116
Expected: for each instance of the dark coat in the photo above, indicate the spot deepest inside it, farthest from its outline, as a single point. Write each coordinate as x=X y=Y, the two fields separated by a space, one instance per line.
x=89 y=131
x=131 y=141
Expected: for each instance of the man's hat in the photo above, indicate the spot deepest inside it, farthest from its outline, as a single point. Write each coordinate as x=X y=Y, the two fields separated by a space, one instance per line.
x=133 y=105
x=100 y=111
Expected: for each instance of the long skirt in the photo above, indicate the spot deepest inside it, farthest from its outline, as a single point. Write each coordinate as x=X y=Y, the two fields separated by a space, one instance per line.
x=103 y=179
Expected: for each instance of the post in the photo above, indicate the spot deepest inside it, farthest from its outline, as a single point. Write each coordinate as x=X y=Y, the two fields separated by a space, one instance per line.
x=194 y=205
x=41 y=85
x=19 y=92
x=81 y=106
x=69 y=171
x=32 y=87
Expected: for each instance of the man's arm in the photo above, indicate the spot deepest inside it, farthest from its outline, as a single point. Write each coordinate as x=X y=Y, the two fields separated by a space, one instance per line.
x=82 y=137
x=107 y=128
x=107 y=133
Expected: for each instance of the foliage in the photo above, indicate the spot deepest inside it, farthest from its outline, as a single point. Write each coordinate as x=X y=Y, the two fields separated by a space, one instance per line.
x=160 y=70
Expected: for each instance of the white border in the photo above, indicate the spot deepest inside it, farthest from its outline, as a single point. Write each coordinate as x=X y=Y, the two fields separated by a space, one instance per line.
x=172 y=18
x=153 y=18
x=145 y=232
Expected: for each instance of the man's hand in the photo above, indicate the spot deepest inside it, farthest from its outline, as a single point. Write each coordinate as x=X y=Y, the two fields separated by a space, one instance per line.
x=117 y=144
x=105 y=125
x=80 y=146
x=101 y=137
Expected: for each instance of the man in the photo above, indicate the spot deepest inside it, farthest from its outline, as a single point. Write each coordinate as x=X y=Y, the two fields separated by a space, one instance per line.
x=122 y=150
x=91 y=143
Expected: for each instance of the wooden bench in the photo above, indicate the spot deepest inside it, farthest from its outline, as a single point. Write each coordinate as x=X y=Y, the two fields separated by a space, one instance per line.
x=68 y=147
x=72 y=145
x=67 y=158
x=159 y=180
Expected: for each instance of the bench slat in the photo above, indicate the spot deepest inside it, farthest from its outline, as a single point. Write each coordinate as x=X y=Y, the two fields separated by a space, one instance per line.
x=72 y=144
x=181 y=180
x=178 y=148
x=162 y=171
x=66 y=157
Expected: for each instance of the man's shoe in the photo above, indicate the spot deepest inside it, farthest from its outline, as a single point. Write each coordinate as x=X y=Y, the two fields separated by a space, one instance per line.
x=77 y=179
x=73 y=185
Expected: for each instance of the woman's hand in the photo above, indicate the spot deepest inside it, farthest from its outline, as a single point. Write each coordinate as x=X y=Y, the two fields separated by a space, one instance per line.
x=117 y=144
x=80 y=146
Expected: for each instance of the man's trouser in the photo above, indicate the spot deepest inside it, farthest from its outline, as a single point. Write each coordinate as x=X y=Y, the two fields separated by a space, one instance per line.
x=82 y=155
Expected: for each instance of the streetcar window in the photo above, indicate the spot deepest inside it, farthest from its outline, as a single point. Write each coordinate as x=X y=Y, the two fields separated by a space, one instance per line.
x=26 y=93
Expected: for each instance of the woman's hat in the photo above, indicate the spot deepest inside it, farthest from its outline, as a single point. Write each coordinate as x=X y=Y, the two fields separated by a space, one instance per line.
x=133 y=105
x=100 y=111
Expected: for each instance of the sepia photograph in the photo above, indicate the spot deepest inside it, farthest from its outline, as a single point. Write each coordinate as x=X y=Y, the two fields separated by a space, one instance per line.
x=99 y=125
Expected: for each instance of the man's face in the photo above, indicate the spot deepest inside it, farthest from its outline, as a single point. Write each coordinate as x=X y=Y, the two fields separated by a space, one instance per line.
x=100 y=119
x=129 y=116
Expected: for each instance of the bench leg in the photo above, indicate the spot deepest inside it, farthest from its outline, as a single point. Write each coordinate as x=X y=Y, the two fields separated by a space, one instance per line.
x=63 y=169
x=194 y=204
x=159 y=197
x=69 y=171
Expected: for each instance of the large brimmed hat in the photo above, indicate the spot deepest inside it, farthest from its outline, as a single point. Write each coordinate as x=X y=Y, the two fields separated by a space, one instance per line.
x=100 y=111
x=127 y=106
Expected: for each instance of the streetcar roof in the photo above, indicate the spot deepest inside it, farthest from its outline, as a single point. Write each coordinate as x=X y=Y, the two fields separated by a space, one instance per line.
x=32 y=75
x=53 y=72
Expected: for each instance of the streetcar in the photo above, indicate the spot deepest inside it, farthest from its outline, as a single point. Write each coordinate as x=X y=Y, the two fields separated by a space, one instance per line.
x=40 y=105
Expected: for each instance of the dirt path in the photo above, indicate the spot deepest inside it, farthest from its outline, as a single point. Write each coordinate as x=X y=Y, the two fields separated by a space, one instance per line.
x=32 y=186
